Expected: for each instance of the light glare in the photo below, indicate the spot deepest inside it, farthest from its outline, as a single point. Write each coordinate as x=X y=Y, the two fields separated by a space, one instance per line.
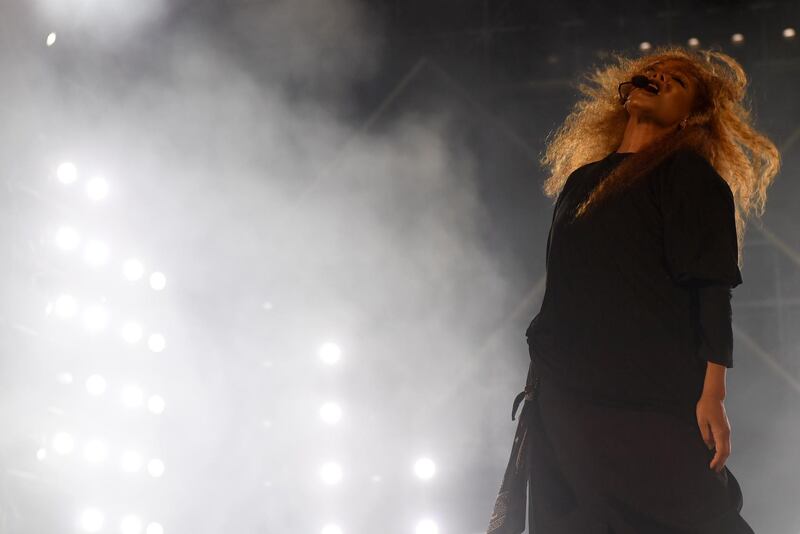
x=132 y=332
x=66 y=306
x=95 y=451
x=67 y=238
x=330 y=353
x=330 y=412
x=51 y=39
x=132 y=396
x=155 y=467
x=67 y=173
x=92 y=520
x=63 y=443
x=427 y=526
x=96 y=253
x=331 y=473
x=130 y=524
x=158 y=281
x=154 y=528
x=97 y=189
x=95 y=318
x=131 y=461
x=95 y=385
x=156 y=342
x=132 y=269
x=156 y=404
x=331 y=529
x=424 y=468
x=789 y=33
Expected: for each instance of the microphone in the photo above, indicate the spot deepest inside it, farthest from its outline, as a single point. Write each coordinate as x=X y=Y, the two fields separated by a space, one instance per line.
x=641 y=81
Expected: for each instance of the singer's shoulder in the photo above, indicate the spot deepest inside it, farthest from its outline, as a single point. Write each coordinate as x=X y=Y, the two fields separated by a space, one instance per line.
x=688 y=170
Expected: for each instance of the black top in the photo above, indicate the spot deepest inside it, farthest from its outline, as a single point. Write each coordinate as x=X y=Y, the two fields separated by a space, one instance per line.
x=637 y=298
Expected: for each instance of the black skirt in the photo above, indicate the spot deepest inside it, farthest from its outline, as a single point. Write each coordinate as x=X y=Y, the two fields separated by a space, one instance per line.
x=600 y=469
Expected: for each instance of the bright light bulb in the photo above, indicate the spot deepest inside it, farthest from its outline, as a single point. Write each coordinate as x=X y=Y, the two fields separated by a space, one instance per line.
x=67 y=173
x=97 y=189
x=158 y=281
x=331 y=473
x=66 y=306
x=427 y=526
x=424 y=468
x=132 y=269
x=132 y=332
x=95 y=318
x=63 y=443
x=330 y=412
x=95 y=451
x=96 y=385
x=132 y=396
x=330 y=353
x=789 y=33
x=131 y=461
x=96 y=253
x=92 y=520
x=644 y=46
x=67 y=238
x=51 y=39
x=155 y=467
x=156 y=404
x=130 y=524
x=737 y=38
x=156 y=342
x=694 y=42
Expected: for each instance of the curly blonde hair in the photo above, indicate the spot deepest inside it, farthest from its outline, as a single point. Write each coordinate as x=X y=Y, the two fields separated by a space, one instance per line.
x=720 y=129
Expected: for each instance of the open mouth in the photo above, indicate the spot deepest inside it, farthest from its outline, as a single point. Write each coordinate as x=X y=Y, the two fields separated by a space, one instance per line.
x=652 y=87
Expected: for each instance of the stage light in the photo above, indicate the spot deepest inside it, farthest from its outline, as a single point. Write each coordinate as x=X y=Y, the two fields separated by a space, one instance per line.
x=644 y=46
x=67 y=173
x=156 y=342
x=97 y=189
x=330 y=353
x=66 y=306
x=330 y=412
x=737 y=38
x=154 y=528
x=132 y=396
x=331 y=529
x=155 y=467
x=63 y=443
x=331 y=473
x=132 y=332
x=95 y=385
x=96 y=253
x=95 y=318
x=65 y=378
x=95 y=451
x=67 y=238
x=51 y=39
x=427 y=526
x=132 y=269
x=41 y=454
x=789 y=33
x=130 y=524
x=156 y=404
x=158 y=281
x=92 y=520
x=424 y=468
x=694 y=42
x=131 y=461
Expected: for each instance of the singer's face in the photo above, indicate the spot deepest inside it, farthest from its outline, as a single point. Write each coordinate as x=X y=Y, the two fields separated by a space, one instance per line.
x=677 y=92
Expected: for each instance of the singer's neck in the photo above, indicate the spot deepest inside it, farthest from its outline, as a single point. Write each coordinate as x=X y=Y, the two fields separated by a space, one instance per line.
x=639 y=133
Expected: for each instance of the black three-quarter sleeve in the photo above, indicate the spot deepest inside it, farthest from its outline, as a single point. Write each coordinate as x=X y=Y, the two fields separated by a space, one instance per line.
x=701 y=249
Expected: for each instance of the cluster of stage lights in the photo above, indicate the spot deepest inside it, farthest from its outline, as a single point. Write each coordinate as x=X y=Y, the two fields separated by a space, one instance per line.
x=96 y=317
x=332 y=473
x=97 y=254
x=736 y=39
